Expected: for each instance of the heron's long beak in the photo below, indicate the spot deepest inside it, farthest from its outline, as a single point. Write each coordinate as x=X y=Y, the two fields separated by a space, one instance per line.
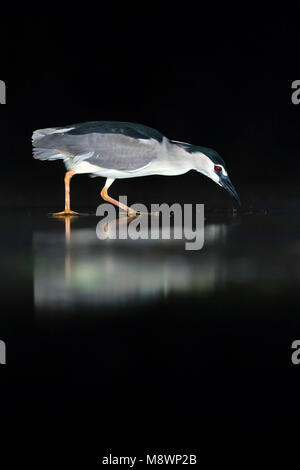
x=227 y=184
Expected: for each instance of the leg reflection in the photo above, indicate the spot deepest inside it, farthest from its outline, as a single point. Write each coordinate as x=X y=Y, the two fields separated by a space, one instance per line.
x=74 y=269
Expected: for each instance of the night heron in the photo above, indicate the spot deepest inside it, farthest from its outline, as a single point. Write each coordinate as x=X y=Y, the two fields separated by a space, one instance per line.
x=124 y=150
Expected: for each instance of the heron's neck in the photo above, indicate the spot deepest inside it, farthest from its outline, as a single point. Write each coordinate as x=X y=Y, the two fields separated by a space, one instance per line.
x=191 y=160
x=181 y=157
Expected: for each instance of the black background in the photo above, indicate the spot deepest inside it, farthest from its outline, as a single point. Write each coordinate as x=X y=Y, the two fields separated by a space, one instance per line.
x=220 y=79
x=215 y=80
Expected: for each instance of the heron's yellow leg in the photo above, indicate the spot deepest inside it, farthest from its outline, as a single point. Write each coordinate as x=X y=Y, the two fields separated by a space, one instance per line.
x=106 y=197
x=67 y=210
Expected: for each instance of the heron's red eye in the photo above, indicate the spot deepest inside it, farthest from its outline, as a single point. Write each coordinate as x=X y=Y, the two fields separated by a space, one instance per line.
x=218 y=168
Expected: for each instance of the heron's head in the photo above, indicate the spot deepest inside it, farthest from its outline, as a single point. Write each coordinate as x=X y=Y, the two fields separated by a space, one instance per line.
x=208 y=162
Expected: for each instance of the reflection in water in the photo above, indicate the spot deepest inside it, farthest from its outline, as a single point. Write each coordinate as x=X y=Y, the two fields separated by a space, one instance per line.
x=73 y=268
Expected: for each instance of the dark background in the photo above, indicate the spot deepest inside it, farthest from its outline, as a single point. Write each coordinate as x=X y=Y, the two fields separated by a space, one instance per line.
x=220 y=79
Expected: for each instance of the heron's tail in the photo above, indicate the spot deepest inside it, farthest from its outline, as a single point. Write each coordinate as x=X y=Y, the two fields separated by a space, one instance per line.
x=40 y=133
x=42 y=145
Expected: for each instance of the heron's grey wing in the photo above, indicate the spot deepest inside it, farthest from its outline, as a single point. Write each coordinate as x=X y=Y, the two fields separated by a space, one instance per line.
x=118 y=152
x=111 y=151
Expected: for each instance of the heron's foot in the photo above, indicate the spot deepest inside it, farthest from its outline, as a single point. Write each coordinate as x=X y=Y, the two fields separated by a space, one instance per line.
x=137 y=213
x=150 y=213
x=67 y=213
x=131 y=213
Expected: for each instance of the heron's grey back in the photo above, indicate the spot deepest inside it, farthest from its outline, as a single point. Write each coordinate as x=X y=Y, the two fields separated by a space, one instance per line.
x=111 y=151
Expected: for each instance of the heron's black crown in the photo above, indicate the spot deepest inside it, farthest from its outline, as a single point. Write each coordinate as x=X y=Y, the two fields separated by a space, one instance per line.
x=210 y=153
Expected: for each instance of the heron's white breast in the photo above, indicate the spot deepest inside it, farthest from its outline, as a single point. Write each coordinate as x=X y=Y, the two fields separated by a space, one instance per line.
x=85 y=167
